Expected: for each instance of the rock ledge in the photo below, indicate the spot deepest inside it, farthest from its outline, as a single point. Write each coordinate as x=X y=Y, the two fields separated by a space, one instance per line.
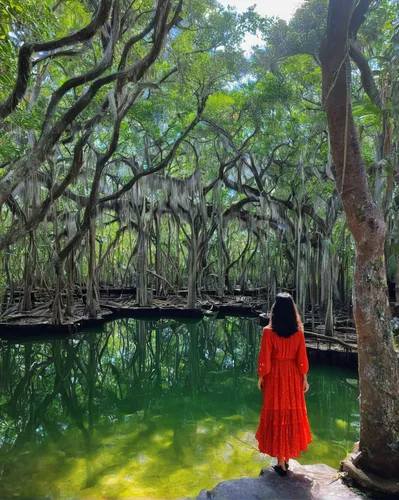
x=302 y=482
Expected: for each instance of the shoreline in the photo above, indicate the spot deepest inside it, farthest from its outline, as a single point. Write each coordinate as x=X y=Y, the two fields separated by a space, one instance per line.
x=338 y=350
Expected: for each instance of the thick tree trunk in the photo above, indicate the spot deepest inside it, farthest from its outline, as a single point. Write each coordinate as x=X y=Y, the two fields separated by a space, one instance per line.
x=378 y=362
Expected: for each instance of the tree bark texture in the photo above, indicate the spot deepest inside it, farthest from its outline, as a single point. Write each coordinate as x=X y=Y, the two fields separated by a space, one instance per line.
x=378 y=361
x=92 y=303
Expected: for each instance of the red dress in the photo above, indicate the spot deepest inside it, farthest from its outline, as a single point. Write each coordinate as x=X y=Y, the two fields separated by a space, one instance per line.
x=284 y=428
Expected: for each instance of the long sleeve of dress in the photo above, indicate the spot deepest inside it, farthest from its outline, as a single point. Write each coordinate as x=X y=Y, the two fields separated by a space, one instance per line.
x=301 y=356
x=264 y=358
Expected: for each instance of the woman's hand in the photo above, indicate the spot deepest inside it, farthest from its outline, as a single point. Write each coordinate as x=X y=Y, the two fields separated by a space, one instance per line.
x=305 y=383
x=260 y=383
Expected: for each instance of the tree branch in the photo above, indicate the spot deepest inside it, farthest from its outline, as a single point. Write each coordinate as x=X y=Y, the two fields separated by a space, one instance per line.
x=26 y=51
x=366 y=74
x=358 y=17
x=32 y=161
x=162 y=164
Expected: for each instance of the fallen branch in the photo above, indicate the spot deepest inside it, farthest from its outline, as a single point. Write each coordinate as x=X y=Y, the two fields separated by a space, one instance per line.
x=331 y=340
x=161 y=278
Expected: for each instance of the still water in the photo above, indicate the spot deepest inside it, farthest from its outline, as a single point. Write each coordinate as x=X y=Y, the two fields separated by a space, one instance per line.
x=155 y=409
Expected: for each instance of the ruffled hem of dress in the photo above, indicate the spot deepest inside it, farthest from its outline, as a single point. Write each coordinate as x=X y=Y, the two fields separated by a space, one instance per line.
x=283 y=440
x=275 y=451
x=269 y=451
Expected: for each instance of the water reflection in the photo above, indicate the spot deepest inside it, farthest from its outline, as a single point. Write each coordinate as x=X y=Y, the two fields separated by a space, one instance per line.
x=148 y=409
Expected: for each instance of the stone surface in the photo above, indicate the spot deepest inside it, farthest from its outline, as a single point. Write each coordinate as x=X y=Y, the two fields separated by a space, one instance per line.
x=301 y=482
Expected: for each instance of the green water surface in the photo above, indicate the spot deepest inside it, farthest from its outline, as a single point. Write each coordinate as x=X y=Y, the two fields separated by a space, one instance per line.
x=149 y=409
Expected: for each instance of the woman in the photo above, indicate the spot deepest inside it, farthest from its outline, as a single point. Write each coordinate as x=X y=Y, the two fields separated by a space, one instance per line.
x=282 y=367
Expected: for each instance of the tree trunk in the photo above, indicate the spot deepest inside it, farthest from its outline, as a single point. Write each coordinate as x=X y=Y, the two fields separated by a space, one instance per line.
x=220 y=241
x=312 y=285
x=142 y=275
x=58 y=307
x=92 y=303
x=221 y=280
x=192 y=270
x=326 y=305
x=177 y=280
x=26 y=304
x=10 y=281
x=158 y=254
x=397 y=279
x=70 y=285
x=378 y=363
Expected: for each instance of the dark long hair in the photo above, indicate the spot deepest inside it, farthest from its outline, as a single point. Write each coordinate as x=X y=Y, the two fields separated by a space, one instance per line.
x=285 y=319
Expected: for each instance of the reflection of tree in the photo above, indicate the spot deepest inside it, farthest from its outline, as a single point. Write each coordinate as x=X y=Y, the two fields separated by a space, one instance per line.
x=66 y=378
x=166 y=385
x=93 y=375
x=194 y=361
x=335 y=403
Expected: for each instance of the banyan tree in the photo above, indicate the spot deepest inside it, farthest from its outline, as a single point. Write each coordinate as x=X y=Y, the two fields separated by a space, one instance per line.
x=146 y=152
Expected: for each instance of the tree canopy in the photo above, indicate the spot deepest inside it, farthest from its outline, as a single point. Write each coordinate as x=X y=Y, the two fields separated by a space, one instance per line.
x=142 y=147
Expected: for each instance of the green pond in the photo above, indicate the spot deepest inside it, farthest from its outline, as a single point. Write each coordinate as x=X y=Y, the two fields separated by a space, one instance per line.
x=149 y=409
